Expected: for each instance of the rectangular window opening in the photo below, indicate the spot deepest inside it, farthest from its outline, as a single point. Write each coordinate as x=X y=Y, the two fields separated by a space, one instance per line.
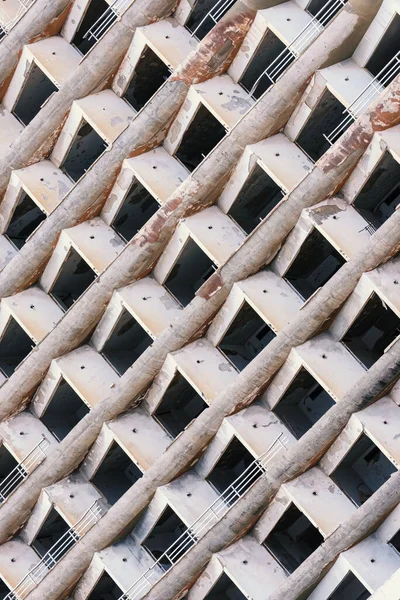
x=36 y=90
x=7 y=464
x=106 y=589
x=233 y=462
x=362 y=471
x=225 y=589
x=202 y=7
x=126 y=343
x=94 y=12
x=165 y=532
x=246 y=337
x=293 y=539
x=387 y=48
x=15 y=345
x=303 y=403
x=116 y=474
x=149 y=75
x=26 y=218
x=378 y=198
x=50 y=532
x=374 y=329
x=64 y=411
x=202 y=135
x=324 y=118
x=85 y=150
x=138 y=207
x=314 y=265
x=350 y=588
x=73 y=279
x=192 y=268
x=268 y=50
x=179 y=406
x=258 y=196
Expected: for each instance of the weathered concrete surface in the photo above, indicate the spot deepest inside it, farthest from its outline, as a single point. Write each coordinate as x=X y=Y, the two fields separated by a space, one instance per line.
x=34 y=24
x=246 y=387
x=270 y=113
x=147 y=130
x=90 y=76
x=237 y=521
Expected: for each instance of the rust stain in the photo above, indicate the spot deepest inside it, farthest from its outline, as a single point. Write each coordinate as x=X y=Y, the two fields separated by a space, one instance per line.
x=55 y=25
x=211 y=286
x=44 y=150
x=217 y=50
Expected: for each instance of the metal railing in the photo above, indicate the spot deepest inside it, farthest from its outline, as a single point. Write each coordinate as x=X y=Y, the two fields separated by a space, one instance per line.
x=104 y=22
x=206 y=520
x=22 y=470
x=56 y=552
x=24 y=5
x=276 y=68
x=217 y=11
x=368 y=95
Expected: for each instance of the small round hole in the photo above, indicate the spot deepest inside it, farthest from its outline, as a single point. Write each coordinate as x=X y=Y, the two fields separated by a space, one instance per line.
x=21 y=433
x=314 y=493
x=32 y=306
x=41 y=179
x=385 y=422
x=167 y=37
x=82 y=366
x=53 y=53
x=134 y=430
x=220 y=93
x=288 y=19
x=245 y=562
x=264 y=291
x=277 y=154
x=396 y=282
x=72 y=495
x=254 y=425
x=124 y=560
x=347 y=78
x=154 y=167
x=334 y=217
x=372 y=560
x=188 y=494
x=210 y=227
x=324 y=356
x=92 y=237
x=13 y=559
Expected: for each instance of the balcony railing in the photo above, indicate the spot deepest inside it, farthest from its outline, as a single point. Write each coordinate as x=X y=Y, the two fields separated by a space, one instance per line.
x=56 y=552
x=109 y=16
x=368 y=95
x=210 y=517
x=303 y=39
x=24 y=5
x=23 y=469
x=215 y=14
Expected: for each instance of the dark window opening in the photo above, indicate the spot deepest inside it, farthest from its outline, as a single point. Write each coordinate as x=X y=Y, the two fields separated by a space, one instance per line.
x=126 y=343
x=191 y=270
x=202 y=135
x=303 y=404
x=116 y=474
x=73 y=279
x=362 y=471
x=350 y=588
x=314 y=265
x=50 y=533
x=106 y=589
x=374 y=329
x=7 y=464
x=166 y=531
x=179 y=406
x=233 y=462
x=380 y=195
x=26 y=217
x=246 y=337
x=258 y=196
x=4 y=589
x=95 y=10
x=395 y=541
x=267 y=52
x=86 y=148
x=202 y=7
x=149 y=75
x=36 y=90
x=327 y=15
x=15 y=345
x=138 y=207
x=64 y=411
x=324 y=118
x=225 y=589
x=293 y=539
x=387 y=48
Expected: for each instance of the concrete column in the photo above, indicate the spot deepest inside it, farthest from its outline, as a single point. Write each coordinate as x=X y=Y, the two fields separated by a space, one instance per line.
x=270 y=113
x=245 y=512
x=37 y=22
